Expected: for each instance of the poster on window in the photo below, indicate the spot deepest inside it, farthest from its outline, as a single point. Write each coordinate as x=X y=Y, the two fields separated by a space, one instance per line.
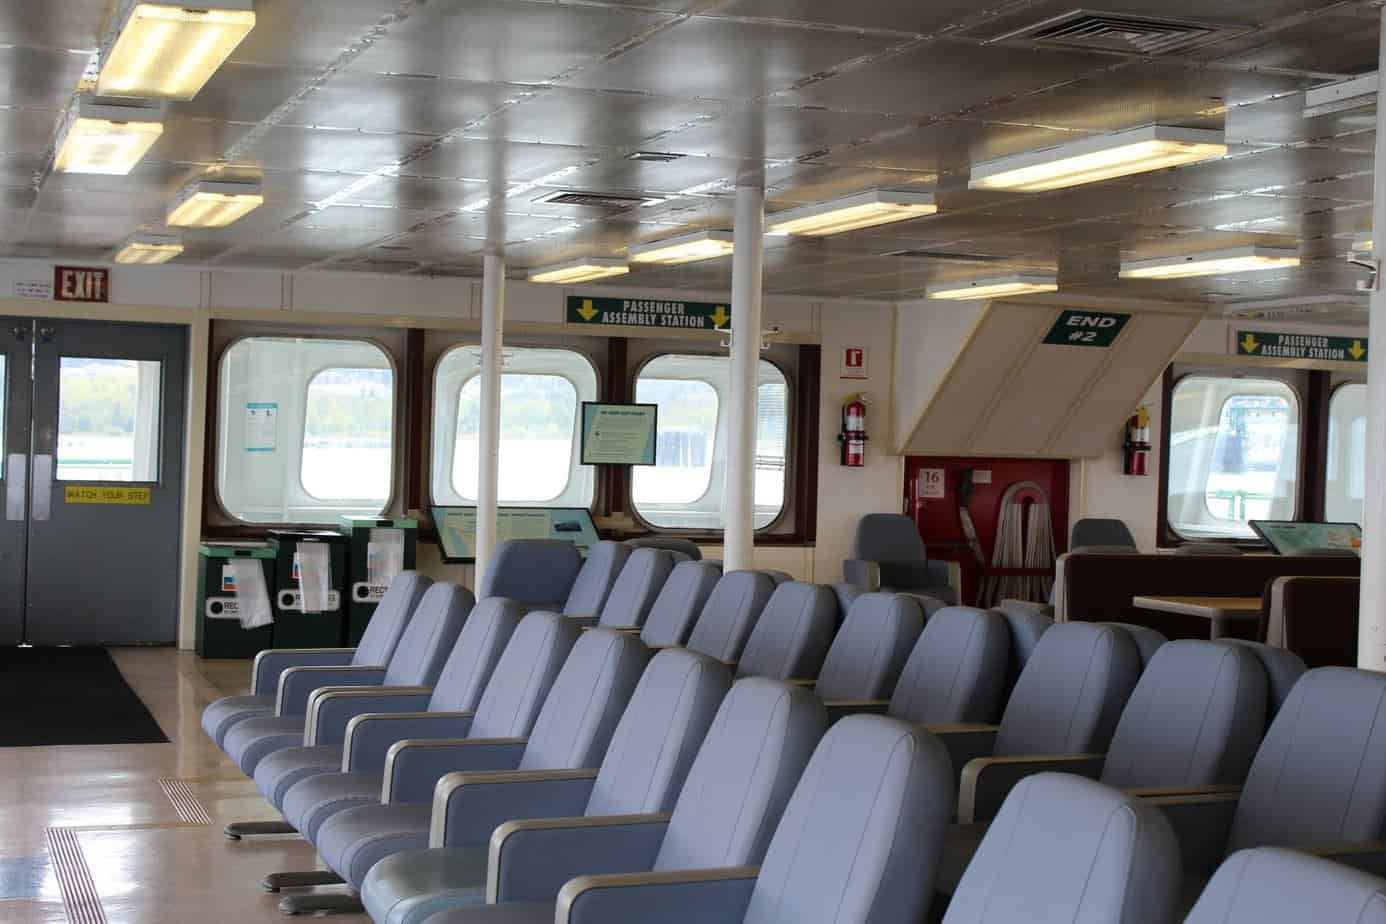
x=261 y=426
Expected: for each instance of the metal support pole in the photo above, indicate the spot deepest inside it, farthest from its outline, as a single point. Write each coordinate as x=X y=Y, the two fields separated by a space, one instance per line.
x=747 y=268
x=1371 y=633
x=488 y=451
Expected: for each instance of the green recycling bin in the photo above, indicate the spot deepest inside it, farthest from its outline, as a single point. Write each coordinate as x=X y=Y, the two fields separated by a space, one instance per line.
x=312 y=615
x=219 y=633
x=379 y=548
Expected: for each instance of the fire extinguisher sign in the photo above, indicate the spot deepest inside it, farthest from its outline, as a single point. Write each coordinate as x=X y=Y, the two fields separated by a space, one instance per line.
x=931 y=483
x=854 y=363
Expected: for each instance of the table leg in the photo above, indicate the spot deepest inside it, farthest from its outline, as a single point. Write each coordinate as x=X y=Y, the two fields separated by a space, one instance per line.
x=1215 y=630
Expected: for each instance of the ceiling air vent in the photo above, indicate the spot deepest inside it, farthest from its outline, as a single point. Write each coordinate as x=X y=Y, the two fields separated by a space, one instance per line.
x=1321 y=309
x=1151 y=35
x=609 y=202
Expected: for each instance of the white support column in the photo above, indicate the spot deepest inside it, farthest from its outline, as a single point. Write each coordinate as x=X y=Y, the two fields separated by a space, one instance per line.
x=747 y=268
x=488 y=463
x=1371 y=632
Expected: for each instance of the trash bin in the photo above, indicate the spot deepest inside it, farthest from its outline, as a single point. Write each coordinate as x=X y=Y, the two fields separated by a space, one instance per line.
x=219 y=633
x=379 y=549
x=310 y=615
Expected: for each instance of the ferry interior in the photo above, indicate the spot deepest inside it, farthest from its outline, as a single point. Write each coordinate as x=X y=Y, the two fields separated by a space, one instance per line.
x=692 y=462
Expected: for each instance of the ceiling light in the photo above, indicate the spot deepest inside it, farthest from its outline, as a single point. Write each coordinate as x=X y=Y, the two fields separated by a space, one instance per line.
x=995 y=287
x=579 y=271
x=1211 y=263
x=150 y=248
x=99 y=137
x=1364 y=246
x=169 y=51
x=655 y=157
x=864 y=210
x=214 y=204
x=1092 y=160
x=1343 y=96
x=704 y=245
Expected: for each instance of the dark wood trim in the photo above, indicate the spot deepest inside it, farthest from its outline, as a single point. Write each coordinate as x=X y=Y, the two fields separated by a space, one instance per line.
x=616 y=478
x=1165 y=537
x=1313 y=456
x=414 y=422
x=807 y=411
x=209 y=435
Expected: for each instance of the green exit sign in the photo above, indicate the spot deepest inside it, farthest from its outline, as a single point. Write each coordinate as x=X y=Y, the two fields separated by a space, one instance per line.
x=1281 y=345
x=1086 y=328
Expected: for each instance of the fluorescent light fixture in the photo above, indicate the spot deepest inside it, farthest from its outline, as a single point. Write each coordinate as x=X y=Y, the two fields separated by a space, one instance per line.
x=150 y=248
x=207 y=204
x=864 y=210
x=1364 y=246
x=995 y=287
x=1343 y=96
x=99 y=137
x=578 y=271
x=1104 y=157
x=1211 y=263
x=688 y=248
x=171 y=51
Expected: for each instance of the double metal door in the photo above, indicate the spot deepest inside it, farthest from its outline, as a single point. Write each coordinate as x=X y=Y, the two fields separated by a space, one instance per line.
x=92 y=475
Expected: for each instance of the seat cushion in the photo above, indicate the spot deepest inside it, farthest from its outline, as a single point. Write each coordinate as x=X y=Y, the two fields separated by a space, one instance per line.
x=275 y=774
x=251 y=741
x=408 y=887
x=354 y=840
x=313 y=800
x=1273 y=886
x=218 y=717
x=509 y=913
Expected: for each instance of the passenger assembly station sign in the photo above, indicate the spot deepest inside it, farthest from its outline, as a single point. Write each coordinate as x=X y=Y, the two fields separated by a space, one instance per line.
x=669 y=314
x=1272 y=345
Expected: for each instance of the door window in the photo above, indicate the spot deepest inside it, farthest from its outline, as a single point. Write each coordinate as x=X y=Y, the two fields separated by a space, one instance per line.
x=1345 y=485
x=108 y=419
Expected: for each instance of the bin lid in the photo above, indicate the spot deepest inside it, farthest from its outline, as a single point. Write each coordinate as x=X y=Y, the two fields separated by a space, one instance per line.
x=354 y=522
x=305 y=535
x=236 y=550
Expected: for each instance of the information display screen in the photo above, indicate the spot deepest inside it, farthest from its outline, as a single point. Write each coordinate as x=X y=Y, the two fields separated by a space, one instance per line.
x=457 y=528
x=1286 y=537
x=619 y=434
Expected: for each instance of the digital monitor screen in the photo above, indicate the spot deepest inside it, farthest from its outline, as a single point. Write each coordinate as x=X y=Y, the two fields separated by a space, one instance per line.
x=1286 y=537
x=457 y=528
x=619 y=434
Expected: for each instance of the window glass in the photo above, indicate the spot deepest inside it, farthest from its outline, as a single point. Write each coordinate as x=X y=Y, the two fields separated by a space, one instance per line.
x=685 y=487
x=1234 y=455
x=1345 y=485
x=305 y=429
x=541 y=392
x=4 y=408
x=108 y=419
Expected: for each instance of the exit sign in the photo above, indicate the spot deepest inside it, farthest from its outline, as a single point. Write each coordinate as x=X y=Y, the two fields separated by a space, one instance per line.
x=78 y=284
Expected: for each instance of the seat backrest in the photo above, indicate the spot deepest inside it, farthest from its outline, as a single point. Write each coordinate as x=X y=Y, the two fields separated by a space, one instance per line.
x=1283 y=670
x=659 y=734
x=593 y=585
x=865 y=659
x=792 y=636
x=539 y=572
x=956 y=670
x=1320 y=775
x=1027 y=621
x=523 y=676
x=1092 y=531
x=1207 y=548
x=429 y=638
x=669 y=544
x=1071 y=693
x=863 y=832
x=468 y=669
x=888 y=537
x=847 y=594
x=778 y=577
x=758 y=745
x=1117 y=861
x=636 y=587
x=1273 y=886
x=1147 y=640
x=680 y=600
x=1195 y=719
x=390 y=618
x=588 y=696
x=730 y=614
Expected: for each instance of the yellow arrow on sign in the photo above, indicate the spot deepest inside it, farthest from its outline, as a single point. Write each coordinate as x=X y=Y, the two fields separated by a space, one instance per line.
x=1357 y=351
x=587 y=310
x=1249 y=343
x=720 y=317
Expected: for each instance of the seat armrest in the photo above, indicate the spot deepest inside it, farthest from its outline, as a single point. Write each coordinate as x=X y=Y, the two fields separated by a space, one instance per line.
x=808 y=683
x=964 y=741
x=1149 y=792
x=370 y=736
x=692 y=896
x=862 y=573
x=845 y=707
x=1202 y=823
x=1367 y=856
x=628 y=630
x=297 y=683
x=468 y=807
x=530 y=860
x=270 y=663
x=413 y=767
x=583 y=622
x=658 y=648
x=331 y=708
x=986 y=781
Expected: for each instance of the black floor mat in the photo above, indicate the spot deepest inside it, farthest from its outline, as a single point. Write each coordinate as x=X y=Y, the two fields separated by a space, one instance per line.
x=69 y=696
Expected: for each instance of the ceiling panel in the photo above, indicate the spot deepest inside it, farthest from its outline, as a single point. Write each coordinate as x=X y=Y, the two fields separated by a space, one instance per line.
x=778 y=132
x=900 y=17
x=288 y=147
x=495 y=160
x=613 y=119
x=244 y=93
x=28 y=131
x=398 y=103
x=311 y=33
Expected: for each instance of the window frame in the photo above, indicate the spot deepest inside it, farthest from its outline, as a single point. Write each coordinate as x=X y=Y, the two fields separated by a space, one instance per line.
x=303 y=436
x=158 y=427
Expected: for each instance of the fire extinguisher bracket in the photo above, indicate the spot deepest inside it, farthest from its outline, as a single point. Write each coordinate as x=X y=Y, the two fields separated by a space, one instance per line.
x=853 y=437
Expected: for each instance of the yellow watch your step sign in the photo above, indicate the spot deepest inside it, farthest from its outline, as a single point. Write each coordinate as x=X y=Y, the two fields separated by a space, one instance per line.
x=106 y=494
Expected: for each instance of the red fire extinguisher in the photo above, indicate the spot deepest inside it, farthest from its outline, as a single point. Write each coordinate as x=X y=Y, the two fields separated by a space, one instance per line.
x=853 y=436
x=1136 y=448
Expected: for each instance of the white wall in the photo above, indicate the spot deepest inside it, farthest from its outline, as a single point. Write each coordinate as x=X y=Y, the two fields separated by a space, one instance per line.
x=1097 y=487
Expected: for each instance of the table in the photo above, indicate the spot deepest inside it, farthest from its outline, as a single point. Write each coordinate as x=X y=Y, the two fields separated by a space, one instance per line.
x=1217 y=610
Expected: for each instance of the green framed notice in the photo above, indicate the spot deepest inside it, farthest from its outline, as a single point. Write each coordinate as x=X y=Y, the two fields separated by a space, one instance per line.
x=619 y=434
x=1086 y=328
x=1283 y=345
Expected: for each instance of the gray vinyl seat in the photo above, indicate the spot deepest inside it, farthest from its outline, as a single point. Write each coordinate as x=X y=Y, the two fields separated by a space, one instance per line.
x=889 y=554
x=572 y=731
x=730 y=613
x=508 y=708
x=460 y=684
x=1268 y=885
x=955 y=671
x=778 y=577
x=634 y=592
x=1106 y=533
x=1283 y=670
x=417 y=661
x=857 y=844
x=537 y=572
x=643 y=772
x=377 y=645
x=680 y=600
x=1207 y=548
x=791 y=637
x=870 y=650
x=847 y=594
x=594 y=582
x=1028 y=622
x=1064 y=849
x=685 y=547
x=1148 y=641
